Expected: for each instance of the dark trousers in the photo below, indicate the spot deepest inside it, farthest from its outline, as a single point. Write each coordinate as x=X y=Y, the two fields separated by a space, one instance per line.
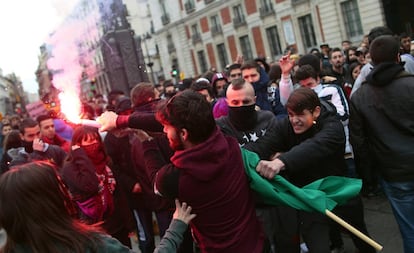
x=292 y=223
x=353 y=213
x=145 y=217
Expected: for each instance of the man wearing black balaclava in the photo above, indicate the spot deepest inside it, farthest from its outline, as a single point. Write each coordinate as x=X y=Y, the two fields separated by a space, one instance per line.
x=248 y=125
x=33 y=148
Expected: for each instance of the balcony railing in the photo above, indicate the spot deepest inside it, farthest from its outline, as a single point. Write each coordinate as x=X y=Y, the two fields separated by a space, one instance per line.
x=296 y=2
x=196 y=38
x=216 y=30
x=239 y=21
x=189 y=6
x=165 y=19
x=266 y=10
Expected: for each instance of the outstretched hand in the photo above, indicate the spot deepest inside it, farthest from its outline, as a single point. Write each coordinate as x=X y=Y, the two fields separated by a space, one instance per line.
x=183 y=212
x=286 y=64
x=107 y=121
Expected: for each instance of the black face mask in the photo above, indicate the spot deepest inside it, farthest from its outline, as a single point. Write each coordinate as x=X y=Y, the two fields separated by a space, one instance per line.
x=28 y=146
x=243 y=117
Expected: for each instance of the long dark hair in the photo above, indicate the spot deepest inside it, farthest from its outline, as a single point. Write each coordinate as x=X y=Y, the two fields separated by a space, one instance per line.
x=36 y=212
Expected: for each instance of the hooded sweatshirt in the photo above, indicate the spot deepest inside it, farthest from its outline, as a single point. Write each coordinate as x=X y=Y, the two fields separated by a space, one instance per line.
x=382 y=120
x=260 y=89
x=210 y=178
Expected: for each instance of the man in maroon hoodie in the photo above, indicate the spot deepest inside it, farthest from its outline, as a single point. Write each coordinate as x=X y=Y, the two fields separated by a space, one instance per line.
x=206 y=171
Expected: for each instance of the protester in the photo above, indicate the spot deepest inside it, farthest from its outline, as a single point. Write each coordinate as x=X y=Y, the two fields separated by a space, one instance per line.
x=12 y=141
x=37 y=213
x=381 y=126
x=311 y=142
x=5 y=129
x=215 y=186
x=33 y=148
x=308 y=77
x=248 y=126
x=48 y=133
x=93 y=185
x=257 y=76
x=373 y=33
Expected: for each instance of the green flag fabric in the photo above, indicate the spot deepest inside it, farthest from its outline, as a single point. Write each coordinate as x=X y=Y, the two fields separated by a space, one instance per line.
x=319 y=195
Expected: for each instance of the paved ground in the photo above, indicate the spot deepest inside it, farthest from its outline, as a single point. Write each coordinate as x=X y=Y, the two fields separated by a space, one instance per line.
x=381 y=225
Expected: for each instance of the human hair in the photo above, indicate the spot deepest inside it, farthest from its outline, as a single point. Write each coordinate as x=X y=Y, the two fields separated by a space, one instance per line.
x=336 y=49
x=263 y=61
x=168 y=83
x=312 y=60
x=83 y=133
x=250 y=65
x=302 y=99
x=43 y=117
x=384 y=48
x=142 y=93
x=202 y=85
x=238 y=84
x=36 y=211
x=189 y=110
x=208 y=75
x=27 y=123
x=233 y=66
x=404 y=35
x=351 y=68
x=304 y=72
x=12 y=140
x=4 y=125
x=378 y=31
x=112 y=96
x=275 y=72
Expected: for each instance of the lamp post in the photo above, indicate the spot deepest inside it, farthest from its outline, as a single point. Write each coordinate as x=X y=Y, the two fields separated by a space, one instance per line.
x=149 y=63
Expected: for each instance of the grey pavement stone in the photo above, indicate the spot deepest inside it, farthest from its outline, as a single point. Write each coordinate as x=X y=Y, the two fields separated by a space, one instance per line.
x=381 y=225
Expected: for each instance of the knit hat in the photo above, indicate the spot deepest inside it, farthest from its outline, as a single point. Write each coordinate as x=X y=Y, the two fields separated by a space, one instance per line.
x=218 y=76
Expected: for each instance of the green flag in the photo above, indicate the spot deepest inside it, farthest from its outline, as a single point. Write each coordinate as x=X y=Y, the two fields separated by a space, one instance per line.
x=320 y=195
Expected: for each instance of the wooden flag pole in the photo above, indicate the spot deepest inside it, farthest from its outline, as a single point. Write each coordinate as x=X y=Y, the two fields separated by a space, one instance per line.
x=353 y=230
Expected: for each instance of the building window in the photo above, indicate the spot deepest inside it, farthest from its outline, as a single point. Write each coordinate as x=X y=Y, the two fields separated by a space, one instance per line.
x=196 y=36
x=215 y=24
x=222 y=55
x=238 y=15
x=202 y=61
x=165 y=17
x=246 y=48
x=307 y=32
x=352 y=20
x=266 y=8
x=189 y=6
x=274 y=41
x=170 y=44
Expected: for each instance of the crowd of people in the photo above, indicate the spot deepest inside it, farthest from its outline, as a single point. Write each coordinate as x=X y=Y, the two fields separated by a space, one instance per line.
x=173 y=153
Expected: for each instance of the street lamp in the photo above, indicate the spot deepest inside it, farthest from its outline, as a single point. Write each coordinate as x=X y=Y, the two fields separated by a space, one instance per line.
x=146 y=37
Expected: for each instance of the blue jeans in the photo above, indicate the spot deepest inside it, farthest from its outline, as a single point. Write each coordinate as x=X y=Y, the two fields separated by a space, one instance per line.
x=401 y=198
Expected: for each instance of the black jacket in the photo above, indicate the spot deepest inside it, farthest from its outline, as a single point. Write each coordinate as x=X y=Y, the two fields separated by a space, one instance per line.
x=315 y=154
x=382 y=121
